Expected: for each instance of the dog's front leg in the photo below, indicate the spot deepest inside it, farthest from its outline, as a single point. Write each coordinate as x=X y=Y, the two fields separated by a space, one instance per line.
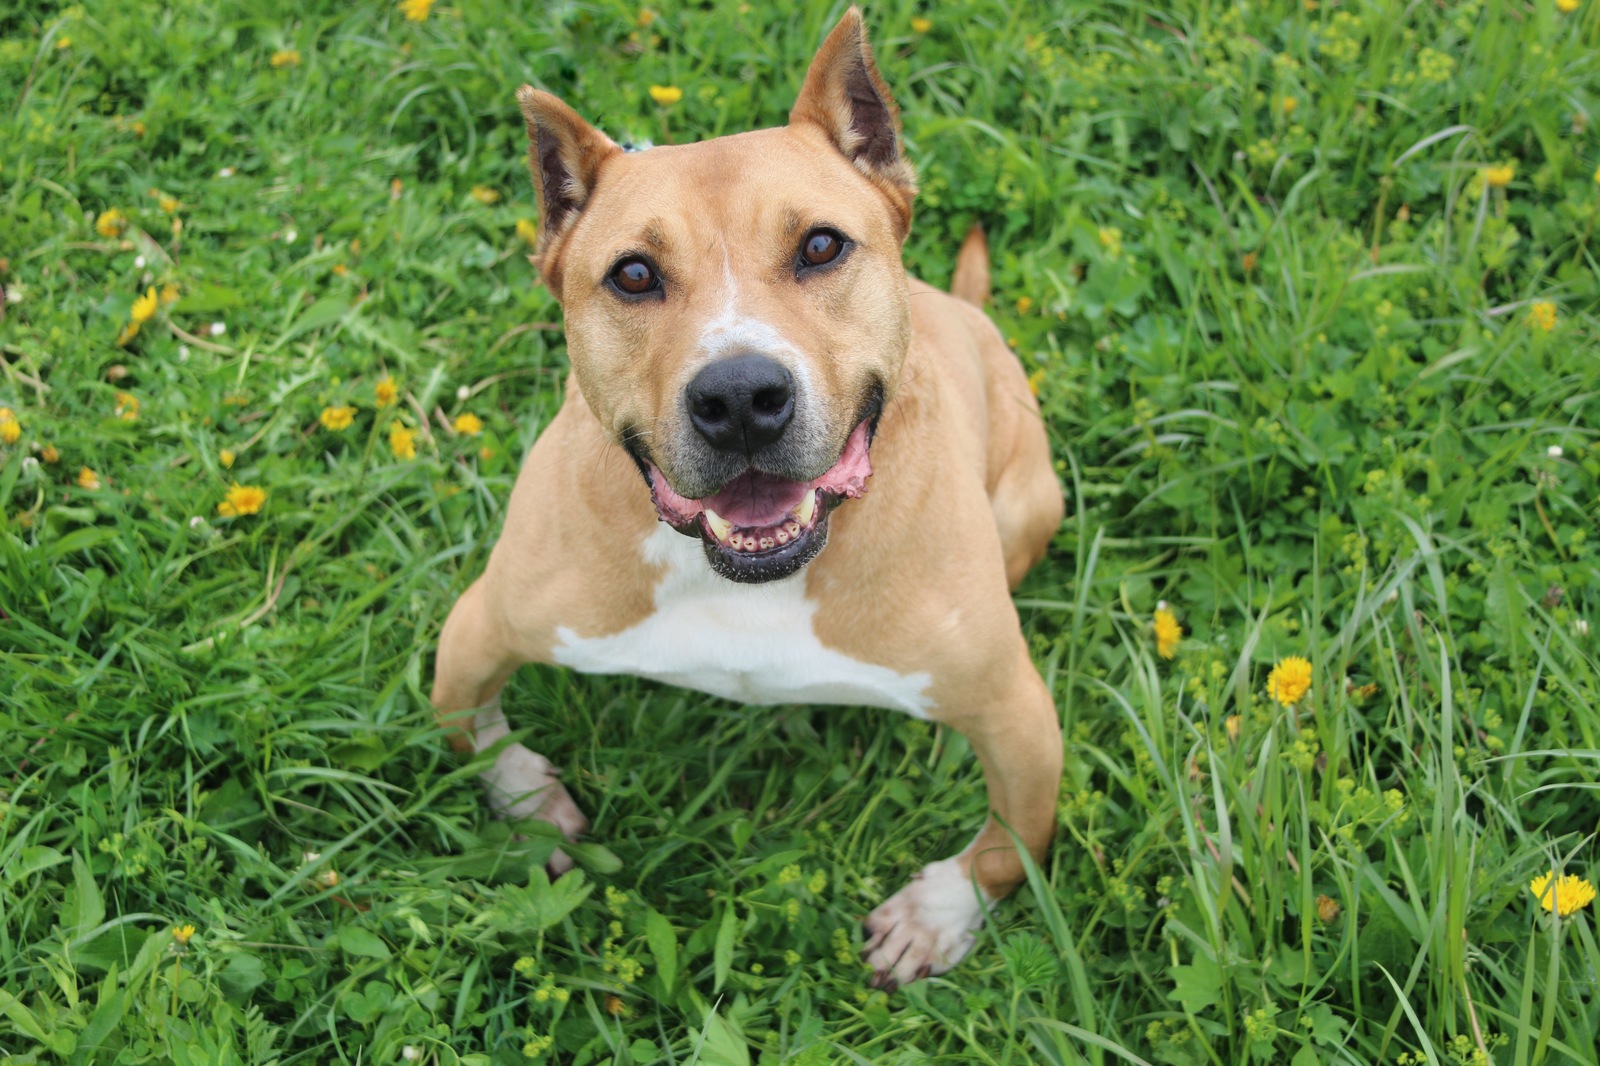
x=928 y=926
x=475 y=660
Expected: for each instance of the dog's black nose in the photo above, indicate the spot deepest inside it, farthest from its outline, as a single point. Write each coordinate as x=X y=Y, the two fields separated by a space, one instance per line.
x=742 y=403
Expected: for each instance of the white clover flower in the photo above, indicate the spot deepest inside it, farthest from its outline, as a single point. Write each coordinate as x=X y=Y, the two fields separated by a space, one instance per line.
x=218 y=329
x=1554 y=451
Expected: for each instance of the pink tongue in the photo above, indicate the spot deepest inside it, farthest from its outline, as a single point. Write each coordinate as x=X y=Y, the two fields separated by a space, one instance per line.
x=754 y=500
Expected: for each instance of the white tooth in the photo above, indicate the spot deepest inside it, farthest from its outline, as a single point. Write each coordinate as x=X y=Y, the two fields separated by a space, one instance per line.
x=807 y=509
x=720 y=527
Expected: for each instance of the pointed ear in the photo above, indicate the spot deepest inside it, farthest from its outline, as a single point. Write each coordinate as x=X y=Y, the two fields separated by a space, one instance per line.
x=565 y=155
x=844 y=95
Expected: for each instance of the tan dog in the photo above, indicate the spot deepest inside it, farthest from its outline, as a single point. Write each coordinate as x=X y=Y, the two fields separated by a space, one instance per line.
x=741 y=327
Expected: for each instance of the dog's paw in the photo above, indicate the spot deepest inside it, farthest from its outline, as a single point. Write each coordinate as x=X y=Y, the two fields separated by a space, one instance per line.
x=923 y=929
x=523 y=784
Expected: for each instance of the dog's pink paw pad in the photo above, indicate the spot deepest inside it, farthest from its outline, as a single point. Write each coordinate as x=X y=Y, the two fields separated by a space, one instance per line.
x=523 y=784
x=925 y=928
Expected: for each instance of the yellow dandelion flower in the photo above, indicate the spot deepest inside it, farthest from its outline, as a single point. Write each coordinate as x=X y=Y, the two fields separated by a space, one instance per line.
x=51 y=454
x=10 y=428
x=144 y=308
x=666 y=95
x=1024 y=304
x=1036 y=381
x=1500 y=175
x=1542 y=314
x=127 y=407
x=288 y=57
x=127 y=333
x=110 y=223
x=1567 y=7
x=1289 y=104
x=386 y=392
x=468 y=423
x=242 y=500
x=1327 y=909
x=340 y=270
x=921 y=25
x=1168 y=633
x=486 y=453
x=226 y=457
x=169 y=295
x=1566 y=896
x=485 y=195
x=646 y=16
x=169 y=204
x=88 y=479
x=1290 y=680
x=337 y=418
x=183 y=934
x=63 y=42
x=416 y=10
x=1597 y=175
x=402 y=441
x=527 y=230
x=1232 y=725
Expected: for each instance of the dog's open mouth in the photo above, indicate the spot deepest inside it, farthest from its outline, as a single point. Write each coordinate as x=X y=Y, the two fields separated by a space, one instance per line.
x=759 y=526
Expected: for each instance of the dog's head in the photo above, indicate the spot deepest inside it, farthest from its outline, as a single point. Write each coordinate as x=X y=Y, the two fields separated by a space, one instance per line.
x=736 y=310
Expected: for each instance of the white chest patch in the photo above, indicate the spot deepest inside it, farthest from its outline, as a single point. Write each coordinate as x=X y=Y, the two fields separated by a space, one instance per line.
x=748 y=643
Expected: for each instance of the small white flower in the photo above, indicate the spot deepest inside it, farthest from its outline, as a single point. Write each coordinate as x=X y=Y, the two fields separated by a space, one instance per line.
x=183 y=353
x=463 y=393
x=29 y=465
x=1554 y=451
x=289 y=236
x=1394 y=594
x=138 y=262
x=218 y=329
x=310 y=857
x=196 y=522
x=1580 y=626
x=1161 y=605
x=411 y=1053
x=14 y=294
x=225 y=172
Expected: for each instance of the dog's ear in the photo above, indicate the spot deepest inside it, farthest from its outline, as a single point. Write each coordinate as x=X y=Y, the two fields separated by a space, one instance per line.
x=844 y=95
x=565 y=155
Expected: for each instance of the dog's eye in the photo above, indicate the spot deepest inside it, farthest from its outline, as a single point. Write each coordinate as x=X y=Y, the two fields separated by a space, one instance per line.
x=635 y=277
x=821 y=246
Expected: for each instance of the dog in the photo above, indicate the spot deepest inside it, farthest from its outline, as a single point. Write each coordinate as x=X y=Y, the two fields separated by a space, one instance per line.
x=783 y=471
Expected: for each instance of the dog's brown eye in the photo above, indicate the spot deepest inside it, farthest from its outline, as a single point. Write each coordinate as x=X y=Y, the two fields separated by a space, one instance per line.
x=634 y=277
x=821 y=246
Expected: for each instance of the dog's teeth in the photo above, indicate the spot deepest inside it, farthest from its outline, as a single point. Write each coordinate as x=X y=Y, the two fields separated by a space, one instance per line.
x=782 y=535
x=792 y=528
x=807 y=509
x=720 y=527
x=767 y=543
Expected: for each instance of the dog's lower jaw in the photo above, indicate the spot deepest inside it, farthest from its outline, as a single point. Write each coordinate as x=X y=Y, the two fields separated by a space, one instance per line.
x=926 y=927
x=524 y=784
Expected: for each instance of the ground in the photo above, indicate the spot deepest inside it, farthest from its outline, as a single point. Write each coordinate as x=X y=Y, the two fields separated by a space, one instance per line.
x=1308 y=294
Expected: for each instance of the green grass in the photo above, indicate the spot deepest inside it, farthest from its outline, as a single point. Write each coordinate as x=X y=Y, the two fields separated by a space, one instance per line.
x=1297 y=387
